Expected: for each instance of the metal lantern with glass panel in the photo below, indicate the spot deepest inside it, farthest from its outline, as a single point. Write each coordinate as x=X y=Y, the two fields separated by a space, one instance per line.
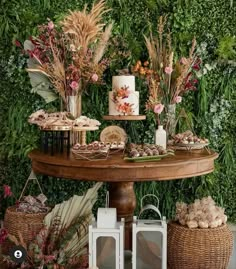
x=149 y=239
x=106 y=240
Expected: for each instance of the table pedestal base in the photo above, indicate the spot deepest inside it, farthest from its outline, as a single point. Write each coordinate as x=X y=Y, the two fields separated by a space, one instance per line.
x=122 y=197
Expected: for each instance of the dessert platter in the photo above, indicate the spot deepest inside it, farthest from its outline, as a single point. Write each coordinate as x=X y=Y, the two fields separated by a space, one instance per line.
x=84 y=123
x=62 y=121
x=59 y=129
x=93 y=151
x=146 y=153
x=188 y=141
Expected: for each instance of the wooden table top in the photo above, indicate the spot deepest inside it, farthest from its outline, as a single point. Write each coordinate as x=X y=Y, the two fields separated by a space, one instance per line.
x=183 y=165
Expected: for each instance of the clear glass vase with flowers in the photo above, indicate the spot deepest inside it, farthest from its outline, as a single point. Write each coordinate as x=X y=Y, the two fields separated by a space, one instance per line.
x=65 y=57
x=168 y=78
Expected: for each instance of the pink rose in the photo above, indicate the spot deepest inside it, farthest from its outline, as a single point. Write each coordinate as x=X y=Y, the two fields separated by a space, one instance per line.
x=94 y=77
x=7 y=191
x=158 y=108
x=178 y=99
x=183 y=61
x=168 y=70
x=50 y=25
x=74 y=85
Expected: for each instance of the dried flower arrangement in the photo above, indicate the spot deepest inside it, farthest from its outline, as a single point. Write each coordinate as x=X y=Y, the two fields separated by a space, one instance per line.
x=62 y=243
x=118 y=98
x=167 y=79
x=64 y=58
x=201 y=214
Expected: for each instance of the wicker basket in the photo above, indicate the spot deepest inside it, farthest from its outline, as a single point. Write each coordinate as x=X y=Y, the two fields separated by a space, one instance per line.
x=22 y=224
x=198 y=248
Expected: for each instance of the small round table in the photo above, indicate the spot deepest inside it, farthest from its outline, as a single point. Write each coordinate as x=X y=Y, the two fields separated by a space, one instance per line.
x=121 y=174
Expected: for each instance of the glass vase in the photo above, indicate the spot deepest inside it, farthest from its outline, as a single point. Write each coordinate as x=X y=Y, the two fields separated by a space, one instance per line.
x=170 y=120
x=74 y=105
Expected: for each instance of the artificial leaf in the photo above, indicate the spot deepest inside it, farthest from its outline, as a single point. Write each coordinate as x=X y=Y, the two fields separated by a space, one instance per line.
x=28 y=45
x=42 y=86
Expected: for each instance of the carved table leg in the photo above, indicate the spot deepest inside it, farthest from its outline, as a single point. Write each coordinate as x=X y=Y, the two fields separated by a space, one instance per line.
x=123 y=198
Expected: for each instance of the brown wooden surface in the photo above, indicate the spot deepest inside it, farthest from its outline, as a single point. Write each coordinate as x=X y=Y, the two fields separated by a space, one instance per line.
x=122 y=197
x=125 y=117
x=122 y=174
x=183 y=165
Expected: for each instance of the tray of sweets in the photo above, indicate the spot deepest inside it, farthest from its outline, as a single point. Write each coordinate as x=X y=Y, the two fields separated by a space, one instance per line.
x=188 y=141
x=93 y=151
x=146 y=153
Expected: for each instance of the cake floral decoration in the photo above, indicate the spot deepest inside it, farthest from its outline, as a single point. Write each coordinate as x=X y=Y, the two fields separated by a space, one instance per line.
x=118 y=98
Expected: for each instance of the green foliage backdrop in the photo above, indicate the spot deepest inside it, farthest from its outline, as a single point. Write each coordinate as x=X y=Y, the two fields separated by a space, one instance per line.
x=211 y=108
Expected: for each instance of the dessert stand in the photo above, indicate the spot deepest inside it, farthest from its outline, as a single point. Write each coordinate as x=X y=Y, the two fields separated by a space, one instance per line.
x=54 y=137
x=83 y=130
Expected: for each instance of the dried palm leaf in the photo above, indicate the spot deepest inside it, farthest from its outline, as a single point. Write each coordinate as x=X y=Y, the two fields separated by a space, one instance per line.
x=68 y=222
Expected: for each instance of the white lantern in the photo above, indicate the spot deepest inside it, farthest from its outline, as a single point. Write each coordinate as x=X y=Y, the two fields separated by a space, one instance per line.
x=149 y=240
x=106 y=240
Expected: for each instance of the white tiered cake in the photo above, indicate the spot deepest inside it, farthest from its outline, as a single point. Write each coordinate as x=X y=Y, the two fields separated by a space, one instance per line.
x=123 y=99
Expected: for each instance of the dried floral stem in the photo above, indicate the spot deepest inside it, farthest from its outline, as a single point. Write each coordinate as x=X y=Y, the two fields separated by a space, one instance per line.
x=69 y=55
x=84 y=28
x=102 y=44
x=167 y=80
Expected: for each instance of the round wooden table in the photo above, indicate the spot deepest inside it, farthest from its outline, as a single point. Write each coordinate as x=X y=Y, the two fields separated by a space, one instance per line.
x=121 y=174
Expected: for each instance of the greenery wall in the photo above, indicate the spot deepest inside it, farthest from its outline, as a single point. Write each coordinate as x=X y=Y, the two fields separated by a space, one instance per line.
x=211 y=108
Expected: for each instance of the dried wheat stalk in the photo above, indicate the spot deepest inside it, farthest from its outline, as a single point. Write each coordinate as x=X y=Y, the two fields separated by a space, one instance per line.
x=84 y=28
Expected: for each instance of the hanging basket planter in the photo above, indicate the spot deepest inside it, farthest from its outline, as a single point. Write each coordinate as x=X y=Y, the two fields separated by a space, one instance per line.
x=198 y=248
